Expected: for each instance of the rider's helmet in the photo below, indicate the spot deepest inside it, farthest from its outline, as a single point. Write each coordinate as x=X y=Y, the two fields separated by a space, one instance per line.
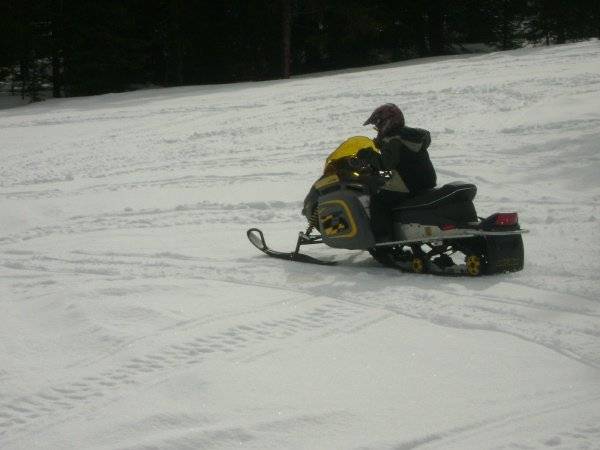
x=386 y=117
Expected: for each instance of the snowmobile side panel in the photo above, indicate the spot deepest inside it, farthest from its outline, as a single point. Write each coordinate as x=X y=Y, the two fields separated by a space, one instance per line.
x=343 y=221
x=464 y=234
x=459 y=212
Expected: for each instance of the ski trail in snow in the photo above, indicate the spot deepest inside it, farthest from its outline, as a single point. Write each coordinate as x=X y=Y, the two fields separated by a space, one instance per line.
x=202 y=213
x=527 y=314
x=466 y=436
x=248 y=340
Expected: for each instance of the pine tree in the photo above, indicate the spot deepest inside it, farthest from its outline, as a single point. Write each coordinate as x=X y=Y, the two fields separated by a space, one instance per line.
x=286 y=32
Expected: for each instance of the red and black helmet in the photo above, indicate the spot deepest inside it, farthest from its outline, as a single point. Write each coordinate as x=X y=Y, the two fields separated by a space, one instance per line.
x=386 y=117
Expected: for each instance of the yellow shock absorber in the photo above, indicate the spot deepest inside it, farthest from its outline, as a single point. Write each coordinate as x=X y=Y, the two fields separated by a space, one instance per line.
x=314 y=219
x=313 y=222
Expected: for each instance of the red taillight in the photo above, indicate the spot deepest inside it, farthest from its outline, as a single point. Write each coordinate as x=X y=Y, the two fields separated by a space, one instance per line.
x=447 y=226
x=507 y=219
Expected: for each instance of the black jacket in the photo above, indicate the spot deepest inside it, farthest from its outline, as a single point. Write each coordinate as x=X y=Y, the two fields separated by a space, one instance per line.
x=404 y=150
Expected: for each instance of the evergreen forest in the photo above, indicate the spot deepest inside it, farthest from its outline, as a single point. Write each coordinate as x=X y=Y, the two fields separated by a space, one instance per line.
x=84 y=47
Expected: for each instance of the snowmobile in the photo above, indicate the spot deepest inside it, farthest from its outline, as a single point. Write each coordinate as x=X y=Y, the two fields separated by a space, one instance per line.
x=437 y=231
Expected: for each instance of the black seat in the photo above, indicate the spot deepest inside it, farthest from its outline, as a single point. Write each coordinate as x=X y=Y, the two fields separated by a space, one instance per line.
x=450 y=193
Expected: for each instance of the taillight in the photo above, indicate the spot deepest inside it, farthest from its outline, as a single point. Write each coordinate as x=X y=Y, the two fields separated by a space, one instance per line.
x=507 y=219
x=447 y=226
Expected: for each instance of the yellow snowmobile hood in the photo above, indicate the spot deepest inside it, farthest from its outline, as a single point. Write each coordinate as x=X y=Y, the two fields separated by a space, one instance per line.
x=349 y=148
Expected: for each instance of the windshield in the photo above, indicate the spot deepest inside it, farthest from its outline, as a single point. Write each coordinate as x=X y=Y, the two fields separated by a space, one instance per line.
x=348 y=149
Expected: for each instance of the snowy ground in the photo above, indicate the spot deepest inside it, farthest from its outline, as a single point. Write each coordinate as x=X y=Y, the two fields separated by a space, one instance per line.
x=135 y=314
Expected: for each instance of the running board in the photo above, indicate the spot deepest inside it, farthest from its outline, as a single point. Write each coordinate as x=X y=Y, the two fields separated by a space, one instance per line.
x=470 y=234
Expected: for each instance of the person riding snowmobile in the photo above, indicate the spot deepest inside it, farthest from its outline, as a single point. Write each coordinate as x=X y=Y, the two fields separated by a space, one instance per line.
x=404 y=154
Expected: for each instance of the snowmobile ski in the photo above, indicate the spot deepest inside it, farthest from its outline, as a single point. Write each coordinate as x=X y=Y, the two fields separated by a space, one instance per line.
x=257 y=238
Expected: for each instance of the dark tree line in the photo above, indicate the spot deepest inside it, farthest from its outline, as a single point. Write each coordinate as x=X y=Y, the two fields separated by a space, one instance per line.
x=81 y=47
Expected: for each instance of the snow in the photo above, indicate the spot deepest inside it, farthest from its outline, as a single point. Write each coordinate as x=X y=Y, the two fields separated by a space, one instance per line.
x=135 y=313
